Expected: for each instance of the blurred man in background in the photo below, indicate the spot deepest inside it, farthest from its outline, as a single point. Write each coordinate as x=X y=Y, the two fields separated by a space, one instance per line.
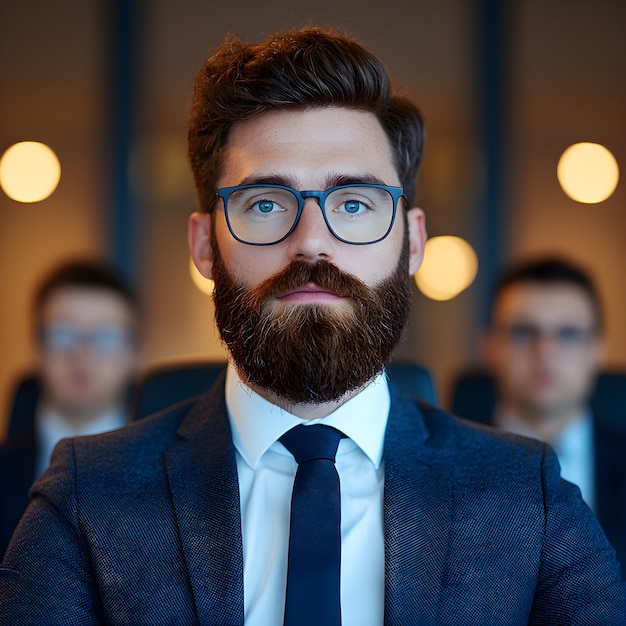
x=544 y=349
x=86 y=328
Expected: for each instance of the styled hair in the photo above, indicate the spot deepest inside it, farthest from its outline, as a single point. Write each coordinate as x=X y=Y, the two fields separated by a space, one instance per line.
x=82 y=274
x=550 y=271
x=307 y=68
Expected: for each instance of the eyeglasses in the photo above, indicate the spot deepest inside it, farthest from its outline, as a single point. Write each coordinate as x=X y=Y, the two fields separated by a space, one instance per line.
x=106 y=342
x=263 y=215
x=565 y=337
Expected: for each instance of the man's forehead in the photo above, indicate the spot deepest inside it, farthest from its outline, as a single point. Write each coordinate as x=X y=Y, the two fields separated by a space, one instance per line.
x=291 y=178
x=93 y=304
x=296 y=143
x=558 y=302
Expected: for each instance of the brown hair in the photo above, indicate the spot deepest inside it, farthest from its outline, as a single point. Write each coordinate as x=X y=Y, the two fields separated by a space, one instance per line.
x=550 y=270
x=300 y=69
x=82 y=274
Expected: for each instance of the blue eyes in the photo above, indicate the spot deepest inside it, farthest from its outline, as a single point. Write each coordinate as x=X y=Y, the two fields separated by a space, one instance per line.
x=105 y=341
x=352 y=206
x=527 y=334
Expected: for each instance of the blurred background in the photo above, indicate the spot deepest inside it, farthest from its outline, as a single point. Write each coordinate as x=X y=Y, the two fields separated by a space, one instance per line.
x=506 y=88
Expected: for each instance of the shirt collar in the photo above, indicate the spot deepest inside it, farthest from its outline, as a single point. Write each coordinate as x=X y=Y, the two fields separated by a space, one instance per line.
x=572 y=441
x=256 y=423
x=51 y=428
x=576 y=430
x=51 y=424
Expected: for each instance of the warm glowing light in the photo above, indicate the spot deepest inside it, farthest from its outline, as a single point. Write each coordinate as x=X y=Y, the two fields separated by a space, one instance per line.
x=588 y=172
x=29 y=171
x=450 y=266
x=205 y=285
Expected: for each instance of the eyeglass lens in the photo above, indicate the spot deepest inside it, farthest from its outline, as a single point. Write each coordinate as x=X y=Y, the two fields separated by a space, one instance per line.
x=105 y=341
x=565 y=336
x=265 y=215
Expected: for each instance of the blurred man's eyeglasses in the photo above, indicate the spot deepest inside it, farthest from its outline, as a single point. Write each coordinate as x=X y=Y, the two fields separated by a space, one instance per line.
x=107 y=341
x=262 y=215
x=528 y=335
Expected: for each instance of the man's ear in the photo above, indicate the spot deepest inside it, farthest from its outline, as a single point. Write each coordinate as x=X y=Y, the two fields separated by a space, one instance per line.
x=199 y=237
x=416 y=221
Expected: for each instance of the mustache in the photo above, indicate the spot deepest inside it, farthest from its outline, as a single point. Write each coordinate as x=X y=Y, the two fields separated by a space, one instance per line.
x=321 y=273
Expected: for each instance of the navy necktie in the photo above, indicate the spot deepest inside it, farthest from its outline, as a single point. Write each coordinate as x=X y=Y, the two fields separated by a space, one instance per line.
x=315 y=533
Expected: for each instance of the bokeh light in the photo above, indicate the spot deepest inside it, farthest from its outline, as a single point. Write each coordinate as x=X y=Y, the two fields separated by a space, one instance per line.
x=450 y=266
x=588 y=172
x=205 y=285
x=29 y=171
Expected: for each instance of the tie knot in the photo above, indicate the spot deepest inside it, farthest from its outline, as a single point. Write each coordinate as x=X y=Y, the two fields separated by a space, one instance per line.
x=310 y=443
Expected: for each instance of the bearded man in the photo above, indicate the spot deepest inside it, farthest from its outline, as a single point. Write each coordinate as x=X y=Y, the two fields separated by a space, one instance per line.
x=303 y=488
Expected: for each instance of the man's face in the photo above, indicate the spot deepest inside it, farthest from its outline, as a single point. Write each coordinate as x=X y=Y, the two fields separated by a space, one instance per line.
x=87 y=352
x=544 y=348
x=311 y=149
x=307 y=150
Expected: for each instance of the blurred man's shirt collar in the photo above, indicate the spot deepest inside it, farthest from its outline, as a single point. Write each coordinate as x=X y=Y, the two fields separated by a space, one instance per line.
x=51 y=428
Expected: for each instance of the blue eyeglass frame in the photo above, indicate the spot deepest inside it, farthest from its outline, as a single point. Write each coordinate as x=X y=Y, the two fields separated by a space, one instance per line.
x=395 y=192
x=75 y=338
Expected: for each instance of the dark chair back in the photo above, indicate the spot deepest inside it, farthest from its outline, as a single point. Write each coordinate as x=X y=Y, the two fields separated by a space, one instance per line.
x=23 y=405
x=414 y=380
x=165 y=385
x=474 y=397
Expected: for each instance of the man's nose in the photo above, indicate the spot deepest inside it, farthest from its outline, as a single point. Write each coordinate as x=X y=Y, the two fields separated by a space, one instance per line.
x=546 y=345
x=311 y=240
x=80 y=352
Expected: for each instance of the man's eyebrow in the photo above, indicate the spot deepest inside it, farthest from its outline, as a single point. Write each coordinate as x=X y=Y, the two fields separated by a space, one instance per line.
x=270 y=179
x=353 y=179
x=333 y=180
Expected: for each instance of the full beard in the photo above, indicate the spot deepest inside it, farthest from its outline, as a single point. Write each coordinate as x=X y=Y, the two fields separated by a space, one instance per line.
x=312 y=353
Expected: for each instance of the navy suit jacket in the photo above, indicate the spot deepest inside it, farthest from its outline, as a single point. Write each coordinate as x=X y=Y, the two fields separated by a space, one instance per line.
x=142 y=526
x=610 y=483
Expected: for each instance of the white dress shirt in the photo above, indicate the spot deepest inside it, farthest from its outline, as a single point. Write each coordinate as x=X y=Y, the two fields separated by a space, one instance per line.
x=51 y=428
x=266 y=473
x=574 y=447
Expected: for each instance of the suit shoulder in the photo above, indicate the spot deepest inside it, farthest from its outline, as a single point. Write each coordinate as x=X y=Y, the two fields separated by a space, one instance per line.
x=132 y=449
x=161 y=426
x=471 y=441
x=115 y=461
x=471 y=447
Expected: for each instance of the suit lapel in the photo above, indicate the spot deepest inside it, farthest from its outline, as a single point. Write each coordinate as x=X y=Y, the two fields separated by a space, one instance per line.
x=202 y=476
x=417 y=518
